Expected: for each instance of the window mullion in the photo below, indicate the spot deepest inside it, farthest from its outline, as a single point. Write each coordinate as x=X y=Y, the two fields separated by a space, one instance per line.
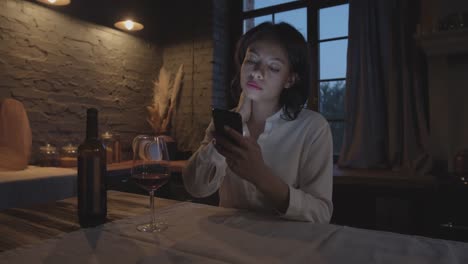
x=312 y=36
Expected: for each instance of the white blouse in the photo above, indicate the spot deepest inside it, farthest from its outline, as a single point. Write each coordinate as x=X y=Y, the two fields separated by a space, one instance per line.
x=300 y=152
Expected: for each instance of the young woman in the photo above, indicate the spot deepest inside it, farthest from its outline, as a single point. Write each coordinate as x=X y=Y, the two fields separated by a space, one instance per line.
x=283 y=162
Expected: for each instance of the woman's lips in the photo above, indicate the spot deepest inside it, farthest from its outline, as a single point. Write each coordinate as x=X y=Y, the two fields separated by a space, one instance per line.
x=254 y=85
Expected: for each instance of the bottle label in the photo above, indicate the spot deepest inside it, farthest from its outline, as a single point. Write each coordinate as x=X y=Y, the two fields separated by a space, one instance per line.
x=92 y=198
x=97 y=186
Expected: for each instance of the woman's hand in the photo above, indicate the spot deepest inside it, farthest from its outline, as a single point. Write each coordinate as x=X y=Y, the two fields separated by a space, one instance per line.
x=243 y=155
x=244 y=158
x=244 y=107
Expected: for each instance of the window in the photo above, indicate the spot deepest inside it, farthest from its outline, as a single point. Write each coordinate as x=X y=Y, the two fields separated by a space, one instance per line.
x=257 y=4
x=333 y=46
x=324 y=24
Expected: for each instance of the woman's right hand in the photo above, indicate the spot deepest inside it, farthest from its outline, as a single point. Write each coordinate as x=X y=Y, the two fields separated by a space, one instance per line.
x=244 y=107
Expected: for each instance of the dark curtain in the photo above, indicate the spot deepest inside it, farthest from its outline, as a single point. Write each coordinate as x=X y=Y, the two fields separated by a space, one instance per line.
x=386 y=93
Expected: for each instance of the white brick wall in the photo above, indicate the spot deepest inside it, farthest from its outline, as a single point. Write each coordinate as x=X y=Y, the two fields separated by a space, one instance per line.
x=58 y=66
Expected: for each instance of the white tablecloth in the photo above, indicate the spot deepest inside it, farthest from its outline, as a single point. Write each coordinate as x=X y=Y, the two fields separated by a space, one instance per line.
x=206 y=234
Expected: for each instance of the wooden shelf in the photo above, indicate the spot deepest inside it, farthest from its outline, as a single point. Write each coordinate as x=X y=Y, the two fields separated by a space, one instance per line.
x=445 y=42
x=380 y=177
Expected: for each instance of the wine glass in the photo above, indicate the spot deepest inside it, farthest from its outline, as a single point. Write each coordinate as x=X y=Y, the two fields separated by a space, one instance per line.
x=150 y=171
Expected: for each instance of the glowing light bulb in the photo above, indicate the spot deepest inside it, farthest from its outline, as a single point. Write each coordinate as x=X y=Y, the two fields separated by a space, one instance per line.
x=52 y=1
x=128 y=24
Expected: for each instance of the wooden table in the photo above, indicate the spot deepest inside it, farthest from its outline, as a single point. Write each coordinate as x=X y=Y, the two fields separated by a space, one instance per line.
x=200 y=233
x=23 y=226
x=118 y=175
x=175 y=166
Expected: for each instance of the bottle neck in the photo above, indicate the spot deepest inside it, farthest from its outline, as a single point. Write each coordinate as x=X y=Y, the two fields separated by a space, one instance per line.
x=91 y=126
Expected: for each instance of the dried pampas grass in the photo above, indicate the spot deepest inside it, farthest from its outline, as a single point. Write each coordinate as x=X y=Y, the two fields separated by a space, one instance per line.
x=165 y=97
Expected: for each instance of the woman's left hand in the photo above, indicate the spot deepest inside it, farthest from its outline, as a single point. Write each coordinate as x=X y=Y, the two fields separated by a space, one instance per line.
x=243 y=155
x=244 y=158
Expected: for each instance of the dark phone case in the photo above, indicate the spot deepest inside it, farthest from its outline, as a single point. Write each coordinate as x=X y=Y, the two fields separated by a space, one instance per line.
x=223 y=118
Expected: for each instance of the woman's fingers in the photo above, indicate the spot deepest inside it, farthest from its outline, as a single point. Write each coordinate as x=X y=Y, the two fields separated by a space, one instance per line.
x=238 y=139
x=244 y=107
x=226 y=147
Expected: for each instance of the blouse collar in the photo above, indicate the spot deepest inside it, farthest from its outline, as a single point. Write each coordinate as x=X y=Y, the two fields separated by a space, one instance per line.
x=273 y=121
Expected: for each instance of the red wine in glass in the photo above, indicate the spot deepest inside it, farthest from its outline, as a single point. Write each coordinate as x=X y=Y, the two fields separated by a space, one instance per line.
x=151 y=181
x=150 y=171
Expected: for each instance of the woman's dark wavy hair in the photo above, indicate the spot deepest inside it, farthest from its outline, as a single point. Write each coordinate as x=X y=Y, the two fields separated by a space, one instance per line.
x=292 y=100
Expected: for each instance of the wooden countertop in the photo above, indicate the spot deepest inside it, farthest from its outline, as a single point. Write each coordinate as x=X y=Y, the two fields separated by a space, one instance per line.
x=380 y=177
x=175 y=165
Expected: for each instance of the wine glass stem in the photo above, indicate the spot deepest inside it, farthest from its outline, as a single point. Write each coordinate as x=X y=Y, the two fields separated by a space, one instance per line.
x=153 y=219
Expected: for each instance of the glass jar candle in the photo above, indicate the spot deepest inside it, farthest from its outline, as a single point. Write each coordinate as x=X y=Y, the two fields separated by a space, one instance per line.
x=68 y=157
x=107 y=141
x=116 y=149
x=48 y=156
x=111 y=143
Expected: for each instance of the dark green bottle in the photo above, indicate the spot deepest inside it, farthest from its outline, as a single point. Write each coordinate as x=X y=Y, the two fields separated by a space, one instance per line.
x=92 y=193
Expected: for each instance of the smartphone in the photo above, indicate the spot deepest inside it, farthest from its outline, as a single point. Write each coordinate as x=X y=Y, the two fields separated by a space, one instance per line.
x=223 y=118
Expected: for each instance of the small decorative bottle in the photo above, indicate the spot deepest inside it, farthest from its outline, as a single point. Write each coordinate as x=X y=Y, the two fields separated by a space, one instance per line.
x=108 y=141
x=461 y=164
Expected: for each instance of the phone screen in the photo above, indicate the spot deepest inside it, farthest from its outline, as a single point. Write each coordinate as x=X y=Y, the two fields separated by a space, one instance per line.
x=223 y=118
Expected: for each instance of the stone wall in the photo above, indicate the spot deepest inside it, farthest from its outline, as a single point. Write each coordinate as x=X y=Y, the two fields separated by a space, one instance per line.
x=58 y=66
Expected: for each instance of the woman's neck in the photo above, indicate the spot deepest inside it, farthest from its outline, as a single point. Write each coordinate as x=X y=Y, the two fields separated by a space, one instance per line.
x=261 y=111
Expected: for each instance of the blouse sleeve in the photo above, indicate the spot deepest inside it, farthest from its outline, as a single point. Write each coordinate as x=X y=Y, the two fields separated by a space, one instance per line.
x=312 y=200
x=205 y=170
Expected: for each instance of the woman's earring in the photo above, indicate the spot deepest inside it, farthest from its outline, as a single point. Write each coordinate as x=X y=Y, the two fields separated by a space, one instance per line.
x=291 y=82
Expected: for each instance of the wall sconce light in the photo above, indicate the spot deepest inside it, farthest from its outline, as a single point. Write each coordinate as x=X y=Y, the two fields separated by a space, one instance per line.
x=55 y=2
x=128 y=25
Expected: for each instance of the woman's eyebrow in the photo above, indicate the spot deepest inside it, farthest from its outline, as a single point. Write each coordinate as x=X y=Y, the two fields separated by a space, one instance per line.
x=279 y=60
x=252 y=50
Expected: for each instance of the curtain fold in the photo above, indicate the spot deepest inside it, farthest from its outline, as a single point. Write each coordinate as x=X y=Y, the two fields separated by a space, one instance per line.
x=385 y=103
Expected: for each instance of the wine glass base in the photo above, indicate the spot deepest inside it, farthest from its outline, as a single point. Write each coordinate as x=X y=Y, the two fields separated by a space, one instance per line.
x=152 y=228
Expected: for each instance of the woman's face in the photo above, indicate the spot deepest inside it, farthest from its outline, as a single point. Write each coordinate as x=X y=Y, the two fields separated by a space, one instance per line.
x=265 y=71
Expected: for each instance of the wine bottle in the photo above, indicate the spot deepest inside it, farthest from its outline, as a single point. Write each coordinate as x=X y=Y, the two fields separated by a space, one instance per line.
x=92 y=193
